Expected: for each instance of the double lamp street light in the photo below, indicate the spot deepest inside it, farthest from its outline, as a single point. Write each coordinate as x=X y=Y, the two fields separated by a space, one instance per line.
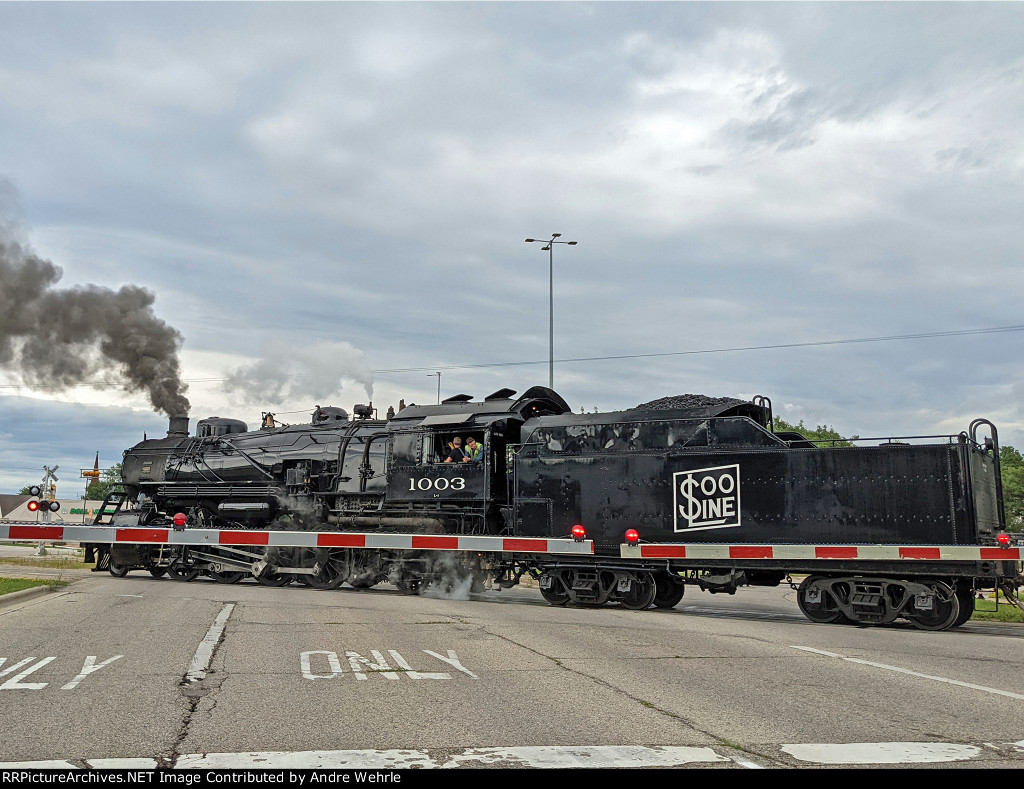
x=550 y=247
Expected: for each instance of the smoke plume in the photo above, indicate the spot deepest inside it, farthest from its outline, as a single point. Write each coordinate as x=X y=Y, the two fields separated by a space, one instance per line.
x=52 y=337
x=312 y=373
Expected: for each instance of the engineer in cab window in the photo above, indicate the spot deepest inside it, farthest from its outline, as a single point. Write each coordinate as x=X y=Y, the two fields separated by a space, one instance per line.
x=456 y=455
x=473 y=450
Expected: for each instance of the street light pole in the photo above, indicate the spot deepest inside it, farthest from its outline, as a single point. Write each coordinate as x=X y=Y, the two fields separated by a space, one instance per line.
x=550 y=247
x=431 y=375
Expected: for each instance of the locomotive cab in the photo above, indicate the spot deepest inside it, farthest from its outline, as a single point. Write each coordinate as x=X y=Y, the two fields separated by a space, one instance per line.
x=420 y=474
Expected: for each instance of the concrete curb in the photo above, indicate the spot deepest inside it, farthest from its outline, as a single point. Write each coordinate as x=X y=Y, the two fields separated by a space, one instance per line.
x=25 y=594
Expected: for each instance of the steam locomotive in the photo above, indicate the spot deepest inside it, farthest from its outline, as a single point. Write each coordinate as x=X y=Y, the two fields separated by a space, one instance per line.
x=686 y=490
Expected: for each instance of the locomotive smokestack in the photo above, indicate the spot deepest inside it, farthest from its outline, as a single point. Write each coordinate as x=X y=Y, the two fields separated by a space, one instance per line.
x=178 y=427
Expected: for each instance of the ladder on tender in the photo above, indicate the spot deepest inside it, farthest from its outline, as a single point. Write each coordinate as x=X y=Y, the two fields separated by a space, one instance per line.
x=112 y=504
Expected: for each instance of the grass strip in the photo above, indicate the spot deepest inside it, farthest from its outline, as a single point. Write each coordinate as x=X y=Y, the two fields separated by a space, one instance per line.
x=986 y=609
x=74 y=562
x=8 y=585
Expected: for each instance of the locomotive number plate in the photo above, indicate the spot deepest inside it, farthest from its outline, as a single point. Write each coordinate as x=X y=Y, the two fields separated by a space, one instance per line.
x=437 y=483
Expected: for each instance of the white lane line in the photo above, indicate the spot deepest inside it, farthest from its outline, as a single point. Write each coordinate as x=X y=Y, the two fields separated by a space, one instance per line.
x=917 y=674
x=201 y=659
x=882 y=752
x=816 y=651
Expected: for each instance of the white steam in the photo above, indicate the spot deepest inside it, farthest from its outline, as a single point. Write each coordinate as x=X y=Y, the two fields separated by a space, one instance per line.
x=312 y=373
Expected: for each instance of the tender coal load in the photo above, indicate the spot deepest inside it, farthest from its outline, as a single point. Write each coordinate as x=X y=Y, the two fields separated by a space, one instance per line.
x=687 y=402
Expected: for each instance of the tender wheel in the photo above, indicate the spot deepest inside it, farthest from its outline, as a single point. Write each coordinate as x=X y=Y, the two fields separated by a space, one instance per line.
x=157 y=572
x=553 y=589
x=966 y=597
x=118 y=570
x=227 y=576
x=641 y=594
x=944 y=610
x=668 y=590
x=183 y=573
x=333 y=571
x=817 y=603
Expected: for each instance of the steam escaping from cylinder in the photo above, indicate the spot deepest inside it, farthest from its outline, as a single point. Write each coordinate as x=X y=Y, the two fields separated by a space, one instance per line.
x=54 y=337
x=309 y=373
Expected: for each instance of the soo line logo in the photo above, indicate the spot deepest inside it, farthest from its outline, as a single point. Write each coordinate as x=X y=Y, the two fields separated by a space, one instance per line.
x=707 y=498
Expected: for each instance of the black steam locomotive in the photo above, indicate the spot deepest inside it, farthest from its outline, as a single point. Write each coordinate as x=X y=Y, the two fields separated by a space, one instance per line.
x=684 y=490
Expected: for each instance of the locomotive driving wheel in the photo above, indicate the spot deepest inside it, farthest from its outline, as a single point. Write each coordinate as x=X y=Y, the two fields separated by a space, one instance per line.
x=276 y=557
x=365 y=569
x=227 y=576
x=409 y=583
x=817 y=603
x=180 y=573
x=937 y=611
x=332 y=565
x=642 y=591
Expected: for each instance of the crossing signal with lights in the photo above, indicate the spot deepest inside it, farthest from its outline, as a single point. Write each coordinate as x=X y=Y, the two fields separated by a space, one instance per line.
x=41 y=505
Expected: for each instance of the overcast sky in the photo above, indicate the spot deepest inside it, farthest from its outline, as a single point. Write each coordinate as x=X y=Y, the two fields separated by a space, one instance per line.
x=322 y=195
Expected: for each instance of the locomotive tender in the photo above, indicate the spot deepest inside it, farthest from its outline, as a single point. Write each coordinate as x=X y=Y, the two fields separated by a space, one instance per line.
x=680 y=491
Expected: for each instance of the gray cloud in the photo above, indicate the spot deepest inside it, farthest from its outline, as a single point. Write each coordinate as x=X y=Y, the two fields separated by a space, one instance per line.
x=736 y=174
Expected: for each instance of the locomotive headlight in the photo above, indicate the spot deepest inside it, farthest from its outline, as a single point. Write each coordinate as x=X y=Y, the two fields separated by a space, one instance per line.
x=632 y=536
x=1004 y=540
x=179 y=521
x=579 y=533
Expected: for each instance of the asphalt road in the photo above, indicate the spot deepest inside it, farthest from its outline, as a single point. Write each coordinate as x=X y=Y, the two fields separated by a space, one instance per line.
x=202 y=674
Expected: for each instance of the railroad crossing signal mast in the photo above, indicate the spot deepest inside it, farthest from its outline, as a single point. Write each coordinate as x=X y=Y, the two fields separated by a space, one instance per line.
x=47 y=495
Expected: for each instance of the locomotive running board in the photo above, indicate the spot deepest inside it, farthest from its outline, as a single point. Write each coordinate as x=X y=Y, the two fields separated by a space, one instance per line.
x=932 y=553
x=137 y=535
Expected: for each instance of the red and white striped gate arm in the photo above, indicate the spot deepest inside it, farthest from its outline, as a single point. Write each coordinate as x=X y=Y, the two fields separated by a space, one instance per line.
x=934 y=553
x=135 y=535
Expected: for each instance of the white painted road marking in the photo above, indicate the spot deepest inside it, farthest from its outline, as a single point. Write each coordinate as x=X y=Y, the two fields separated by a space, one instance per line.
x=899 y=670
x=361 y=667
x=201 y=659
x=882 y=752
x=605 y=756
x=90 y=666
x=15 y=683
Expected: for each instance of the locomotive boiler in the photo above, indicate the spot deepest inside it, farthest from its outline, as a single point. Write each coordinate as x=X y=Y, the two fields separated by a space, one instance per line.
x=681 y=491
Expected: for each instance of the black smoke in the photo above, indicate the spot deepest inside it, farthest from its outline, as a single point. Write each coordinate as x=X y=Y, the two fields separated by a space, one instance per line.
x=59 y=337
